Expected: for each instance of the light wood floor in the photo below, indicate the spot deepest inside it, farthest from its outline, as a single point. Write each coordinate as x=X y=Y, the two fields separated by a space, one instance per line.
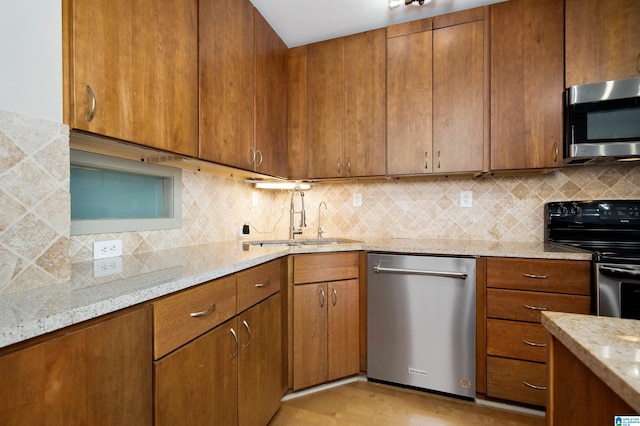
x=364 y=403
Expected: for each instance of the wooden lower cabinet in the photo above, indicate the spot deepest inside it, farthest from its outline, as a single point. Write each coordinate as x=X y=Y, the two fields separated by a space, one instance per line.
x=325 y=332
x=516 y=380
x=94 y=374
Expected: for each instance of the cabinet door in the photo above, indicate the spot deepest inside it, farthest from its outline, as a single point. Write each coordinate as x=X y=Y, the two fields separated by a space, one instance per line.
x=98 y=375
x=325 y=80
x=602 y=40
x=271 y=100
x=259 y=365
x=197 y=384
x=365 y=115
x=409 y=104
x=527 y=64
x=309 y=335
x=343 y=329
x=227 y=80
x=139 y=59
x=458 y=98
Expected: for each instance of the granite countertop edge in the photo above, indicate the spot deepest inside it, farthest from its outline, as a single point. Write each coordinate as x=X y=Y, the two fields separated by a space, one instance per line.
x=609 y=347
x=31 y=313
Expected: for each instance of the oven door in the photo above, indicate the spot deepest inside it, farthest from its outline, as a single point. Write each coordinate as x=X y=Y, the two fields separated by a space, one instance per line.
x=618 y=290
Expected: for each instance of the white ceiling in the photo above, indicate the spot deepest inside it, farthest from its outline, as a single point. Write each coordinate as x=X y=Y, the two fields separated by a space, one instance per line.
x=300 y=22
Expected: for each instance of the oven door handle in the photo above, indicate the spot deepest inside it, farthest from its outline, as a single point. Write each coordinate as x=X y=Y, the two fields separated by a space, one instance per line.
x=619 y=271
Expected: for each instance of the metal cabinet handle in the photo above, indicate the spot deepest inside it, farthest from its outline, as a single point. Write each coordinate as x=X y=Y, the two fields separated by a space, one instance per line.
x=92 y=111
x=252 y=161
x=524 y=382
x=246 y=325
x=259 y=162
x=264 y=284
x=538 y=277
x=638 y=63
x=438 y=159
x=335 y=296
x=201 y=313
x=426 y=160
x=235 y=337
x=537 y=345
x=322 y=297
x=555 y=150
x=339 y=172
x=349 y=166
x=536 y=308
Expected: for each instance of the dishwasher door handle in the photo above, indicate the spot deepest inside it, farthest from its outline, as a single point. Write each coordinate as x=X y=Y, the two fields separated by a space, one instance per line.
x=460 y=275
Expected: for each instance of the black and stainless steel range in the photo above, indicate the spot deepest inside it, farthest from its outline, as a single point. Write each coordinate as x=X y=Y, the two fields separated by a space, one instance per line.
x=611 y=230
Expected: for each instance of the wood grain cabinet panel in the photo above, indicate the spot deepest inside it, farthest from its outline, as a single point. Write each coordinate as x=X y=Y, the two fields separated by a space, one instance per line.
x=257 y=283
x=519 y=305
x=325 y=267
x=95 y=374
x=519 y=340
x=527 y=69
x=140 y=60
x=602 y=41
x=516 y=380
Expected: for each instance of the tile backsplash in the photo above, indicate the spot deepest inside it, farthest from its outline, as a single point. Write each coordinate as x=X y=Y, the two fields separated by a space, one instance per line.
x=36 y=247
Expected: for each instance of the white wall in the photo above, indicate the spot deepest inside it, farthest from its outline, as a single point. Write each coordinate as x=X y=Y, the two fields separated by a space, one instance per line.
x=31 y=58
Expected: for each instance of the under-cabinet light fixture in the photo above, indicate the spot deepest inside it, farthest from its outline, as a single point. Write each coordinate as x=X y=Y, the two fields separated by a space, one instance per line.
x=281 y=185
x=393 y=4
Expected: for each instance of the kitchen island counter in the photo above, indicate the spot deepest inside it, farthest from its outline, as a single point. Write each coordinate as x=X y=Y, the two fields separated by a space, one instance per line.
x=146 y=276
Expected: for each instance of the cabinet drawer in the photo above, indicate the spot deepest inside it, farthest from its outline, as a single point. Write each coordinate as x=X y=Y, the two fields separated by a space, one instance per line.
x=257 y=284
x=526 y=305
x=173 y=320
x=325 y=267
x=514 y=339
x=555 y=276
x=508 y=378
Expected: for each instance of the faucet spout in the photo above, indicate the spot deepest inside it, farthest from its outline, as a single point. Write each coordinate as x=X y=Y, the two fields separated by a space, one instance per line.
x=292 y=212
x=320 y=231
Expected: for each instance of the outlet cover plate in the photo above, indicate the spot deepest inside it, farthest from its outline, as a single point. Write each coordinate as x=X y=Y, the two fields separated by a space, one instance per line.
x=106 y=249
x=466 y=199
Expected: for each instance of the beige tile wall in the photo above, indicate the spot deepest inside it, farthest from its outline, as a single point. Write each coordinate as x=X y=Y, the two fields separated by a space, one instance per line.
x=34 y=203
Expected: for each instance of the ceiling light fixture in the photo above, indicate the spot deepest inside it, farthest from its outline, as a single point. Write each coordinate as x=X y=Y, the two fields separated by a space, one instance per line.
x=393 y=4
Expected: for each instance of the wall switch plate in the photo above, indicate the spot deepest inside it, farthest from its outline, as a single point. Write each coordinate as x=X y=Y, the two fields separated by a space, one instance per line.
x=466 y=199
x=108 y=266
x=357 y=199
x=106 y=249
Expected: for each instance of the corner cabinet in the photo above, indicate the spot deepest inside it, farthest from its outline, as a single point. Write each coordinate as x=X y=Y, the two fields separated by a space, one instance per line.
x=517 y=290
x=527 y=69
x=432 y=65
x=602 y=41
x=132 y=71
x=242 y=64
x=95 y=373
x=326 y=318
x=345 y=119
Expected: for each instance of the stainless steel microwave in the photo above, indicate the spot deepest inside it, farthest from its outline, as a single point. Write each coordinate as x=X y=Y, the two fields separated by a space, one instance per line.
x=602 y=122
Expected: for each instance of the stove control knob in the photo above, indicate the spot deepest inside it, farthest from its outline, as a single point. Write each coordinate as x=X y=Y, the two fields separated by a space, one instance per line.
x=563 y=210
x=576 y=211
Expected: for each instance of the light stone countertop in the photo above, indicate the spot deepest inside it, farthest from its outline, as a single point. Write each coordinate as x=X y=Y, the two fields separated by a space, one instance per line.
x=146 y=276
x=610 y=347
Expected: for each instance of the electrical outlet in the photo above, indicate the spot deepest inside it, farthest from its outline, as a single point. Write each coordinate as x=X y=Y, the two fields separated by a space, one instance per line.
x=106 y=249
x=108 y=266
x=466 y=198
x=357 y=199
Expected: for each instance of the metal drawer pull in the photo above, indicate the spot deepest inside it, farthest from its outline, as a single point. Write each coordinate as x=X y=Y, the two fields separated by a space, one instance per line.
x=534 y=386
x=460 y=275
x=259 y=162
x=335 y=296
x=537 y=345
x=246 y=325
x=92 y=111
x=264 y=284
x=535 y=308
x=322 y=298
x=339 y=172
x=538 y=277
x=201 y=313
x=235 y=337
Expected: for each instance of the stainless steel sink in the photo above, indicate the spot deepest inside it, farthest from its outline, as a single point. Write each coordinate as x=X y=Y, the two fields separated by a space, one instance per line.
x=298 y=243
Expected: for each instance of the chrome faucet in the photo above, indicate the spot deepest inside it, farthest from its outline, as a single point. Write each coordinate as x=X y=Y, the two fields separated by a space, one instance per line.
x=320 y=231
x=292 y=212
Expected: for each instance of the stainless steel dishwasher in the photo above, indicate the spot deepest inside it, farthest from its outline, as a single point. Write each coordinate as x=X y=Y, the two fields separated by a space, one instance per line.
x=421 y=322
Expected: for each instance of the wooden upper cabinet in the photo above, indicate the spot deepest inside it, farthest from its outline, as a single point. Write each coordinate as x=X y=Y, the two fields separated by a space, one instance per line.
x=227 y=82
x=139 y=59
x=602 y=41
x=297 y=113
x=437 y=95
x=409 y=98
x=345 y=115
x=271 y=100
x=527 y=64
x=460 y=93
